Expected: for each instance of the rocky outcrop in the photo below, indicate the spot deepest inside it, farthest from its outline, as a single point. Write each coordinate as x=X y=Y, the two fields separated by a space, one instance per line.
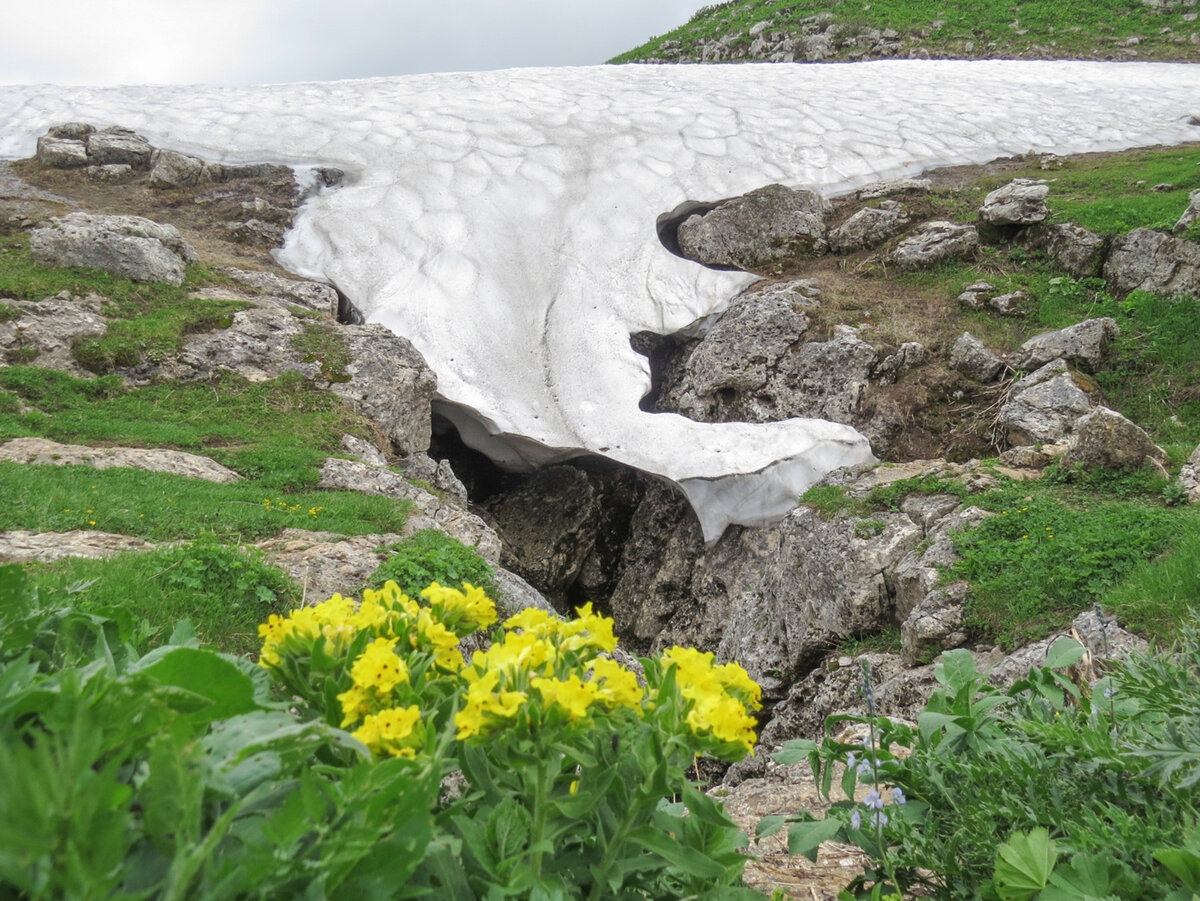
x=1189 y=478
x=129 y=246
x=1146 y=260
x=1084 y=345
x=757 y=230
x=311 y=295
x=19 y=546
x=43 y=331
x=1043 y=406
x=936 y=242
x=970 y=357
x=1020 y=202
x=1077 y=250
x=869 y=227
x=51 y=453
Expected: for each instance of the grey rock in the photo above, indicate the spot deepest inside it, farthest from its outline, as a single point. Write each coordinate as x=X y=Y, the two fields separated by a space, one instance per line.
x=972 y=359
x=1190 y=215
x=75 y=131
x=19 y=546
x=1079 y=251
x=869 y=227
x=908 y=356
x=935 y=624
x=325 y=564
x=50 y=453
x=975 y=295
x=310 y=295
x=513 y=594
x=257 y=346
x=61 y=153
x=549 y=527
x=1084 y=344
x=130 y=246
x=170 y=170
x=1145 y=260
x=894 y=186
x=935 y=242
x=1106 y=439
x=915 y=576
x=1021 y=202
x=256 y=232
x=1189 y=477
x=44 y=332
x=119 y=145
x=1012 y=303
x=1043 y=406
x=223 y=172
x=111 y=173
x=438 y=474
x=364 y=451
x=757 y=229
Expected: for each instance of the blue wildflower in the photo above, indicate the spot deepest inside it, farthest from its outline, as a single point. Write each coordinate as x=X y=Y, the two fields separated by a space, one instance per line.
x=856 y=820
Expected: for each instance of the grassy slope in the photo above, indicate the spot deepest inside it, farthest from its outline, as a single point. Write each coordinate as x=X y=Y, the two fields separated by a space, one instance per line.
x=1079 y=29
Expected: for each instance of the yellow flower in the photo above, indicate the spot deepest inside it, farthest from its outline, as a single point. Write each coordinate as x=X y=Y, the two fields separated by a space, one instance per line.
x=378 y=666
x=518 y=651
x=571 y=694
x=615 y=685
x=469 y=608
x=725 y=718
x=484 y=705
x=354 y=704
x=390 y=731
x=588 y=631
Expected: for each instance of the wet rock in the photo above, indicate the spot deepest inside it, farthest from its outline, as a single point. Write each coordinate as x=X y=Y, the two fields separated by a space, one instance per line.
x=757 y=229
x=1105 y=439
x=1043 y=406
x=51 y=453
x=935 y=242
x=1145 y=260
x=129 y=246
x=972 y=359
x=1020 y=202
x=1084 y=344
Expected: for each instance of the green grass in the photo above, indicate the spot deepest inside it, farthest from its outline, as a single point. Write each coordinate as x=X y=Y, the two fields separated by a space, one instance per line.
x=1155 y=598
x=1072 y=28
x=277 y=432
x=321 y=343
x=162 y=507
x=224 y=591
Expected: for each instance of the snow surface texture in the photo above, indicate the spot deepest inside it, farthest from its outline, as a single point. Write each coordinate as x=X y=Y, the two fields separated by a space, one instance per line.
x=504 y=221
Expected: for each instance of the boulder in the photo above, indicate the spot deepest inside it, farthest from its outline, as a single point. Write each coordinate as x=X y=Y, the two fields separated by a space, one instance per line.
x=169 y=169
x=1084 y=344
x=975 y=295
x=935 y=242
x=1146 y=260
x=310 y=295
x=1012 y=303
x=1079 y=251
x=1190 y=215
x=757 y=229
x=44 y=331
x=920 y=572
x=894 y=186
x=973 y=360
x=119 y=145
x=1043 y=406
x=935 y=624
x=129 y=246
x=1189 y=477
x=869 y=227
x=1105 y=439
x=111 y=173
x=61 y=153
x=1020 y=202
x=437 y=473
x=51 y=453
x=74 y=131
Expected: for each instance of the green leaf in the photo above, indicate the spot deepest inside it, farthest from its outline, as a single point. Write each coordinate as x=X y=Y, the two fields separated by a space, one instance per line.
x=230 y=690
x=795 y=751
x=769 y=826
x=1063 y=652
x=1024 y=864
x=805 y=838
x=692 y=862
x=1091 y=877
x=957 y=669
x=1183 y=863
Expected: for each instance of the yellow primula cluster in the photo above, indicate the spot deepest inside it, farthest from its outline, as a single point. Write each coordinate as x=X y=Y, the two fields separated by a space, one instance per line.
x=719 y=696
x=543 y=657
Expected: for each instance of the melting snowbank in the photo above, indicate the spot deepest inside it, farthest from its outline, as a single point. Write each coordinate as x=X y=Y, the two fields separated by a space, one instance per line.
x=504 y=221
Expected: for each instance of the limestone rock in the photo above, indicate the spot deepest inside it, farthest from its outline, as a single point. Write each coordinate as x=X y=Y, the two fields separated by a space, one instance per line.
x=1146 y=260
x=935 y=242
x=257 y=345
x=934 y=625
x=46 y=452
x=1011 y=303
x=548 y=527
x=1021 y=202
x=130 y=246
x=1079 y=251
x=975 y=295
x=1043 y=406
x=111 y=173
x=1190 y=215
x=310 y=295
x=365 y=451
x=514 y=594
x=972 y=359
x=1084 y=344
x=438 y=473
x=1189 y=477
x=1106 y=439
x=45 y=330
x=894 y=186
x=918 y=574
x=169 y=169
x=61 y=153
x=74 y=131
x=431 y=512
x=757 y=229
x=869 y=227
x=119 y=145
x=324 y=564
x=20 y=546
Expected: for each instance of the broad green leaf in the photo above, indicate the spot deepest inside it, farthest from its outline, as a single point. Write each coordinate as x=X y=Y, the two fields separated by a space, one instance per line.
x=1183 y=863
x=691 y=861
x=1024 y=864
x=230 y=690
x=1063 y=652
x=795 y=751
x=769 y=826
x=806 y=838
x=1091 y=877
x=957 y=669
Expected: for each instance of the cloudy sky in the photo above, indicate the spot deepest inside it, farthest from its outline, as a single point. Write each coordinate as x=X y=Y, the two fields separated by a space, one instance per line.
x=250 y=41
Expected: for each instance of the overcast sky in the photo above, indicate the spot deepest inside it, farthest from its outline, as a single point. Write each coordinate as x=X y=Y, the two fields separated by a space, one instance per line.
x=250 y=41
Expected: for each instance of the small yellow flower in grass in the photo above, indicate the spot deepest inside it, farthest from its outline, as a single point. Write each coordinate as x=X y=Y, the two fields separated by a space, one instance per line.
x=378 y=667
x=571 y=694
